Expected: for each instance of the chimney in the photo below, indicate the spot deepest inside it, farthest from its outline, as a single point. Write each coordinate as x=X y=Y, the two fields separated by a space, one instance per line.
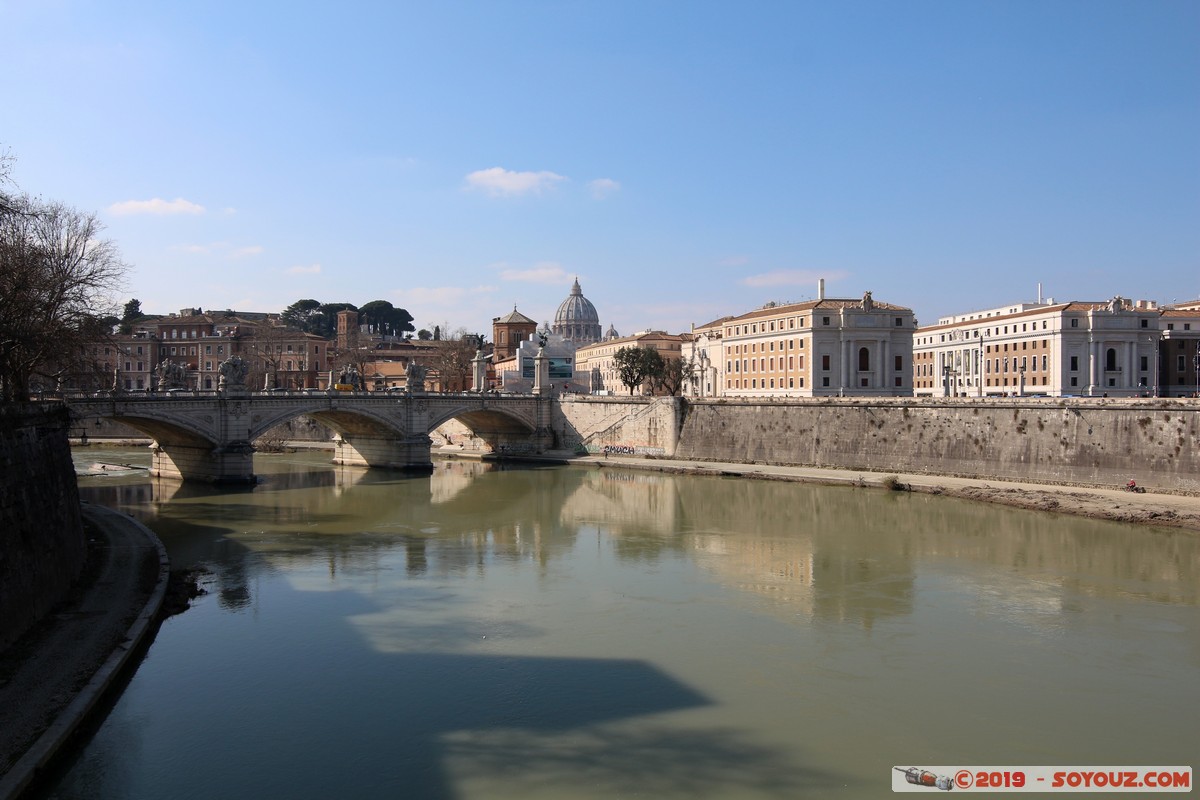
x=820 y=288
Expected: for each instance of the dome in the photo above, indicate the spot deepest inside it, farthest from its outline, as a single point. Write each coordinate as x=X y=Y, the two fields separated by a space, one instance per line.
x=576 y=319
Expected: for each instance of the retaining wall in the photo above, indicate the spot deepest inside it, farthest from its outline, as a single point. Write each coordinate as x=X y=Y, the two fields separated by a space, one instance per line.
x=42 y=545
x=1072 y=441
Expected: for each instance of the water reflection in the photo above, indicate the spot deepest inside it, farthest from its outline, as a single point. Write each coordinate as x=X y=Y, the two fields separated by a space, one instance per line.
x=559 y=632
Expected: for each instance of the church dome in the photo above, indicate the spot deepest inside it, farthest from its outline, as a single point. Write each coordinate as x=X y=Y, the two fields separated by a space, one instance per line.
x=576 y=319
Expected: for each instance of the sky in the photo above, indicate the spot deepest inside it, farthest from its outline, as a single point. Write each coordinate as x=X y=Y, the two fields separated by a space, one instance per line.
x=684 y=160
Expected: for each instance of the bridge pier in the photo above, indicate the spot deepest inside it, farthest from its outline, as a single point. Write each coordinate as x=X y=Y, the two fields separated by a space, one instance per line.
x=230 y=463
x=411 y=452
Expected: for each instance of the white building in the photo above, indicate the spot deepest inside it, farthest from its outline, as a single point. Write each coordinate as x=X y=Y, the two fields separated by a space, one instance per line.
x=1057 y=349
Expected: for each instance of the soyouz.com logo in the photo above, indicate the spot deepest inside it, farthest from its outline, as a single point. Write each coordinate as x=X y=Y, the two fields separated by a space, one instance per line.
x=1042 y=779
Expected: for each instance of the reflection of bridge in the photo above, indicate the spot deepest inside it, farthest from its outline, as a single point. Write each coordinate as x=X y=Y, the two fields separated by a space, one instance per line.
x=210 y=437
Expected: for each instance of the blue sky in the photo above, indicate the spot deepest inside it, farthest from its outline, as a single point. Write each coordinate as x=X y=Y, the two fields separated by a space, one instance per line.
x=686 y=160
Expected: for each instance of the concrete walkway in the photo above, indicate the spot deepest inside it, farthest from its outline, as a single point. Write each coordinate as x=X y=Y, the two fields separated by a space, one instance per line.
x=53 y=678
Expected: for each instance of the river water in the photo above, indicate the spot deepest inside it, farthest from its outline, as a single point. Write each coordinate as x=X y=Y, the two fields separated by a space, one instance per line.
x=584 y=632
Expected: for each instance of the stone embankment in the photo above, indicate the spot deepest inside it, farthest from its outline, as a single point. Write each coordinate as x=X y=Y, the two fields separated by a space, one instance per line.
x=1075 y=442
x=42 y=545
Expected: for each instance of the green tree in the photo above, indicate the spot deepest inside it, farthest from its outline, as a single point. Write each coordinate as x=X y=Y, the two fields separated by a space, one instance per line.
x=131 y=314
x=386 y=318
x=301 y=314
x=636 y=365
x=313 y=316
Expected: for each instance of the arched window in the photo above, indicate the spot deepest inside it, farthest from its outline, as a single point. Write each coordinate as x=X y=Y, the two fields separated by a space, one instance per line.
x=864 y=360
x=1110 y=360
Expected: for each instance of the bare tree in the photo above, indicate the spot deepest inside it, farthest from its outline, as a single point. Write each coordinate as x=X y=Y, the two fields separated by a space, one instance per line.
x=57 y=277
x=453 y=360
x=673 y=374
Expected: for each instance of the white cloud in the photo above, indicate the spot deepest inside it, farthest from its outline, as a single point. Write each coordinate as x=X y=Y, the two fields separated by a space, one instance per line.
x=252 y=250
x=546 y=272
x=157 y=206
x=603 y=187
x=498 y=181
x=791 y=277
x=311 y=269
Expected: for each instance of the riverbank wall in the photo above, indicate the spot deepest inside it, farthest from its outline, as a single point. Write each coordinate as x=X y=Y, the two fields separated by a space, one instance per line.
x=1092 y=442
x=42 y=545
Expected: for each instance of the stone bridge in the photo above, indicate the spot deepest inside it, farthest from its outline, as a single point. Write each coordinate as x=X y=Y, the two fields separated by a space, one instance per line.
x=210 y=437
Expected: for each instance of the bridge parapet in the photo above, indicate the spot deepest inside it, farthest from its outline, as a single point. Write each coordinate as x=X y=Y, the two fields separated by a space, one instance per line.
x=209 y=436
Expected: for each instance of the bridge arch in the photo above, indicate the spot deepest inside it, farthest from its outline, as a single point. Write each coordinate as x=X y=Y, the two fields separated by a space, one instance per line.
x=210 y=437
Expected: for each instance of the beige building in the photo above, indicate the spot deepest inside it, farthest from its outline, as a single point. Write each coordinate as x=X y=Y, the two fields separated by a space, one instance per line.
x=1056 y=349
x=824 y=347
x=1179 y=351
x=598 y=359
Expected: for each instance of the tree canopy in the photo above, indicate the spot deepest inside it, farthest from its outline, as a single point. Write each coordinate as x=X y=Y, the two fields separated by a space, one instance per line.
x=313 y=316
x=385 y=319
x=636 y=365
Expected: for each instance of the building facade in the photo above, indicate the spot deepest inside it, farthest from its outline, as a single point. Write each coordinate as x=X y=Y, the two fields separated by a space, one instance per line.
x=1179 y=351
x=599 y=360
x=1090 y=349
x=819 y=348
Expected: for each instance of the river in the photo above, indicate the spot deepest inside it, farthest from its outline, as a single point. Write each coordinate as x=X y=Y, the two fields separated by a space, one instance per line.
x=584 y=632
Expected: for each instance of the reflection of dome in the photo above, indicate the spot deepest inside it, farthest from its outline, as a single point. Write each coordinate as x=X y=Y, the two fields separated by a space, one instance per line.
x=576 y=319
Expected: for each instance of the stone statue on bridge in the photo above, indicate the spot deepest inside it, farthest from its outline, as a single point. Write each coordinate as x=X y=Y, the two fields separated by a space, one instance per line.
x=171 y=376
x=349 y=376
x=415 y=375
x=233 y=373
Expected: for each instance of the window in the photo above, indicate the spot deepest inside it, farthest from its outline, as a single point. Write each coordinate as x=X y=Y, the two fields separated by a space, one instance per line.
x=824 y=320
x=1074 y=364
x=1044 y=363
x=825 y=365
x=824 y=381
x=1145 y=323
x=1110 y=360
x=864 y=359
x=899 y=363
x=1182 y=365
x=1074 y=323
x=1145 y=363
x=208 y=349
x=899 y=322
x=1074 y=381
